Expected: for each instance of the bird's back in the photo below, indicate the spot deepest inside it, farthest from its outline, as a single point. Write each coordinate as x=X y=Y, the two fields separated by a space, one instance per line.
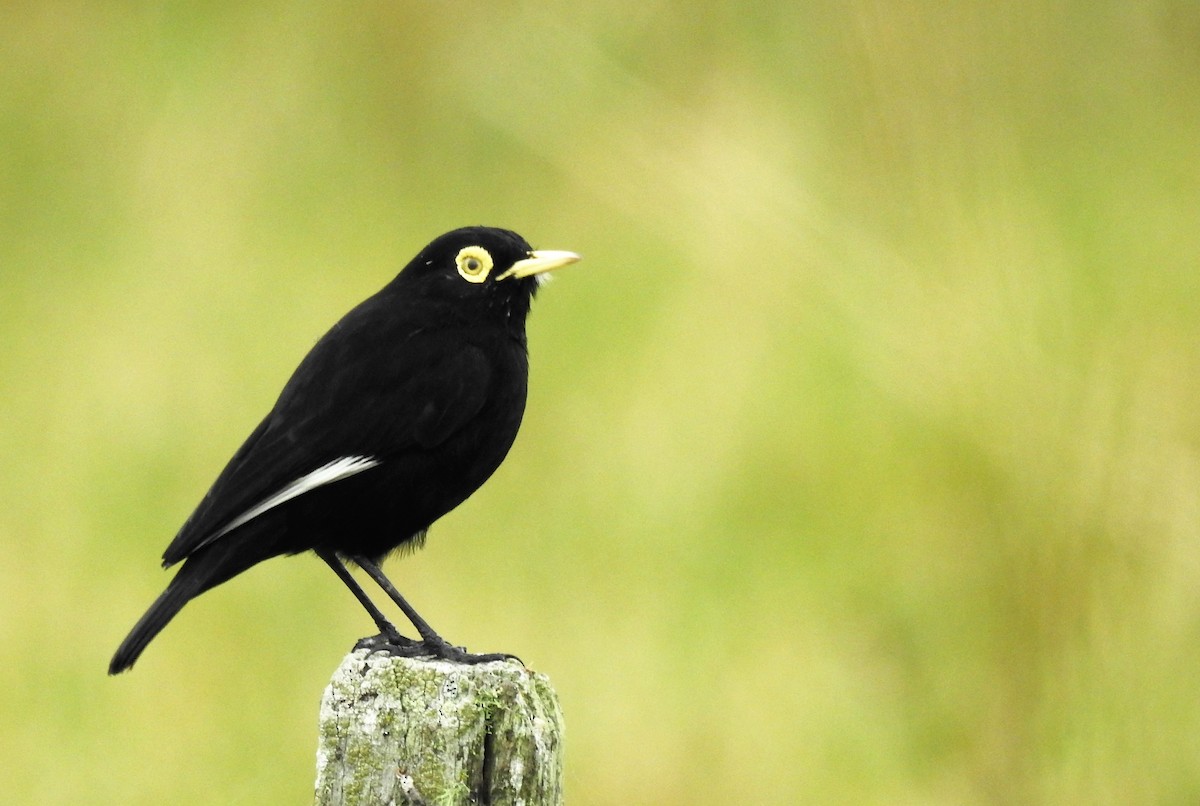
x=436 y=405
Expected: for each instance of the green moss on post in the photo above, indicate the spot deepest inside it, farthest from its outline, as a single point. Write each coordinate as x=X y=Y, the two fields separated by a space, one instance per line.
x=421 y=731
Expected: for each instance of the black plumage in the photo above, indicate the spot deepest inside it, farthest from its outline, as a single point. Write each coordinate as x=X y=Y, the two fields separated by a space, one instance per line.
x=402 y=410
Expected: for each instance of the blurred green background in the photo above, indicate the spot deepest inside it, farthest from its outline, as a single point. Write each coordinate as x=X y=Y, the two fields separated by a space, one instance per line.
x=862 y=459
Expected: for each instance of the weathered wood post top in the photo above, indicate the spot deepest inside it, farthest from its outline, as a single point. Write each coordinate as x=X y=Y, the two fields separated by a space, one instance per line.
x=419 y=730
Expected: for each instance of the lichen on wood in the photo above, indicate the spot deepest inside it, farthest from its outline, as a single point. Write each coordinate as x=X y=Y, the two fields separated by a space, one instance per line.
x=418 y=730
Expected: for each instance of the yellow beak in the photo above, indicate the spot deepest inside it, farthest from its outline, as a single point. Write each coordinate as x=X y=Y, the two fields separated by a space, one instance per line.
x=542 y=260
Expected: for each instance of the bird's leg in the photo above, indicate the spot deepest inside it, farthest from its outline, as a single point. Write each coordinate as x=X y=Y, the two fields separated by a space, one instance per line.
x=388 y=634
x=431 y=642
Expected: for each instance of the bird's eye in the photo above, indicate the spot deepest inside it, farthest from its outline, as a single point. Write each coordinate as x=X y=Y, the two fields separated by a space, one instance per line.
x=474 y=263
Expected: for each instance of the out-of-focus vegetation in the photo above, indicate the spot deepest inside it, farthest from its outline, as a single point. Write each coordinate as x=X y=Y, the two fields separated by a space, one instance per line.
x=862 y=459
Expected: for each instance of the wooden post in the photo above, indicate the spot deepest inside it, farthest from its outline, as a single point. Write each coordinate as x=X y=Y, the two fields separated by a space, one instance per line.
x=423 y=731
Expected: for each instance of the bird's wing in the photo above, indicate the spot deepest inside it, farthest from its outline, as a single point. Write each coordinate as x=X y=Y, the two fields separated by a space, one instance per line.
x=349 y=407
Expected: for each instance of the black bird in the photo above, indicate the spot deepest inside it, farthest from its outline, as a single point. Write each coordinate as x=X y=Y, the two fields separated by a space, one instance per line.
x=398 y=413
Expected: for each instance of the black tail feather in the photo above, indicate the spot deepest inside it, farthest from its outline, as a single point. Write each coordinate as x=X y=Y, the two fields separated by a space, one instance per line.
x=178 y=593
x=207 y=568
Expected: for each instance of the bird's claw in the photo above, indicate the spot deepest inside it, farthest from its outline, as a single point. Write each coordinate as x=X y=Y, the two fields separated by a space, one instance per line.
x=384 y=642
x=459 y=654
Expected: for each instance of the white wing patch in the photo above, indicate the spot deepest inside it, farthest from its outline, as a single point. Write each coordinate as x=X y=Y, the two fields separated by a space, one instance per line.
x=336 y=470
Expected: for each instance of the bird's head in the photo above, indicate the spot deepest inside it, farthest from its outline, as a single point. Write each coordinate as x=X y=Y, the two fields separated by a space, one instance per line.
x=482 y=267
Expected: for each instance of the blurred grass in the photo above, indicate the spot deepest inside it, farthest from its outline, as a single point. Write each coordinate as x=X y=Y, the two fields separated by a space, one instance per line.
x=862 y=457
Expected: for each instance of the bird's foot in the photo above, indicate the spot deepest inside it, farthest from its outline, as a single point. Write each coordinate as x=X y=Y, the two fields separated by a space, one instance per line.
x=439 y=649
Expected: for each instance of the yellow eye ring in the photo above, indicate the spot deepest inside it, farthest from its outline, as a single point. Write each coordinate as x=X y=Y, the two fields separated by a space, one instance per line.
x=473 y=263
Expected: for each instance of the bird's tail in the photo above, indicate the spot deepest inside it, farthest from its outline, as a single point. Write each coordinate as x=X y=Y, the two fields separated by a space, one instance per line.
x=204 y=569
x=181 y=590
